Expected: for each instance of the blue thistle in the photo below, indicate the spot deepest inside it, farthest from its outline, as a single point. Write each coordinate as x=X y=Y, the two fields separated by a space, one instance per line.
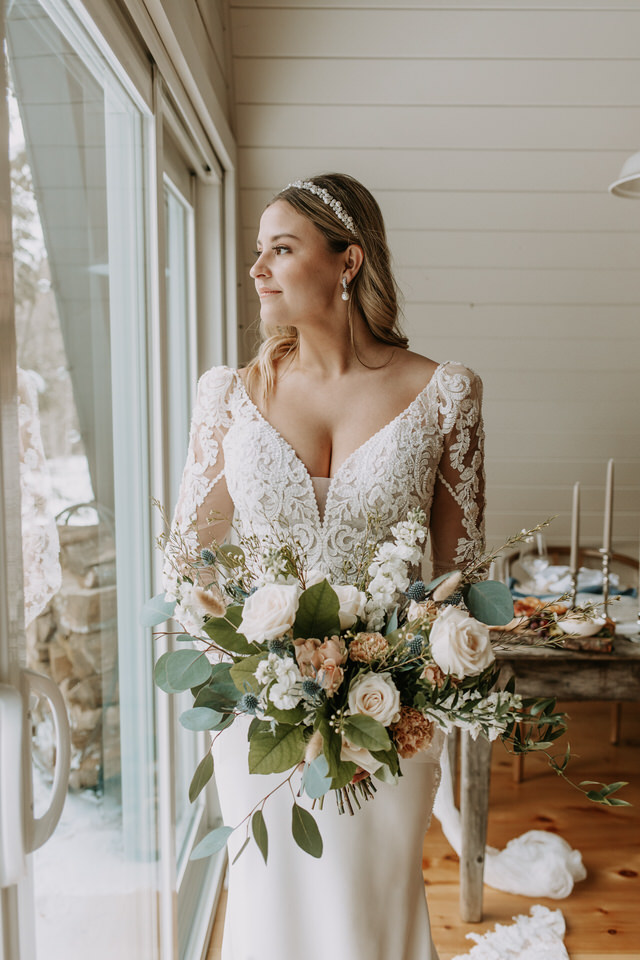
x=278 y=646
x=414 y=645
x=312 y=691
x=208 y=556
x=454 y=599
x=248 y=703
x=417 y=591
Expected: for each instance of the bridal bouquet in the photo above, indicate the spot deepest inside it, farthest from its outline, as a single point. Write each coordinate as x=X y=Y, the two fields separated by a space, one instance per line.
x=341 y=681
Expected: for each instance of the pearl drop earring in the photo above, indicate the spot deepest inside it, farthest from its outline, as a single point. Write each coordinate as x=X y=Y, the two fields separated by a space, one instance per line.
x=345 y=292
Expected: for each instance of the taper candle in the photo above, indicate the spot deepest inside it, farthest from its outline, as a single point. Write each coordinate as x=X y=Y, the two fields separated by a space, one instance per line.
x=608 y=509
x=575 y=530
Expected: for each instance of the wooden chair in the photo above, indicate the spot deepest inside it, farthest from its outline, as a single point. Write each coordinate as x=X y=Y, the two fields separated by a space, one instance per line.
x=627 y=569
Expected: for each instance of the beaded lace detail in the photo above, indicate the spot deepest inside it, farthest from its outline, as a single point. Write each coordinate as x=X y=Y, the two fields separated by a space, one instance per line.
x=430 y=455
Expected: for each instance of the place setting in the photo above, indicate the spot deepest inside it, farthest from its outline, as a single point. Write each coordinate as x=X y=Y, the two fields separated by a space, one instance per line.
x=582 y=606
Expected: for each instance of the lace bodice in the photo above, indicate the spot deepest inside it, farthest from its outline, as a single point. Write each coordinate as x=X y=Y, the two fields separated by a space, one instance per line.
x=430 y=455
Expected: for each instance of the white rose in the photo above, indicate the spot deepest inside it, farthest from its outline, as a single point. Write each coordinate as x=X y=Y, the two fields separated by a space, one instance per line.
x=375 y=695
x=269 y=612
x=314 y=576
x=352 y=604
x=360 y=756
x=460 y=645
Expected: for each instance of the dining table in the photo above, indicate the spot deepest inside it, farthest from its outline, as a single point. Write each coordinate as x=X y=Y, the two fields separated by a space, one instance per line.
x=538 y=671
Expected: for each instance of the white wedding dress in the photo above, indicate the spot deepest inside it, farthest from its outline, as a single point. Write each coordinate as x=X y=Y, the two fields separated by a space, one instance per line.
x=364 y=899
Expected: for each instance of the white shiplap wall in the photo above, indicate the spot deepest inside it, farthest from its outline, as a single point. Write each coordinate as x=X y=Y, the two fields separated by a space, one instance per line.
x=489 y=133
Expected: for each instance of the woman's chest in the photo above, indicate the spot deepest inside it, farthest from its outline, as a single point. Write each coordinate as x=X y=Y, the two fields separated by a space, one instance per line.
x=385 y=474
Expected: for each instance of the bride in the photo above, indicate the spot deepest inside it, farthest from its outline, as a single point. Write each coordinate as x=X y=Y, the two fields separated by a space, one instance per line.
x=334 y=420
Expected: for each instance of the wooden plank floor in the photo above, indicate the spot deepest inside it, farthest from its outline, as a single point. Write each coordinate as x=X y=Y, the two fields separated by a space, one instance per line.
x=603 y=912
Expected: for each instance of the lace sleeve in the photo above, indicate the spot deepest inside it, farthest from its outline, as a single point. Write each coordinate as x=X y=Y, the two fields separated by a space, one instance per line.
x=204 y=509
x=457 y=514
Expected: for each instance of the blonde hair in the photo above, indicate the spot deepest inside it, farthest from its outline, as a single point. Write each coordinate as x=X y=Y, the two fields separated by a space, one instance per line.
x=373 y=290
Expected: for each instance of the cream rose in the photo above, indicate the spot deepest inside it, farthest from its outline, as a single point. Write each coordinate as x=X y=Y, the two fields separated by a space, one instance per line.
x=460 y=645
x=269 y=612
x=375 y=695
x=352 y=604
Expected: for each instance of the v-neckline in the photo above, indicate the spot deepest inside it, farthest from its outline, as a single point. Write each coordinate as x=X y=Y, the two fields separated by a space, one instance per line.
x=358 y=449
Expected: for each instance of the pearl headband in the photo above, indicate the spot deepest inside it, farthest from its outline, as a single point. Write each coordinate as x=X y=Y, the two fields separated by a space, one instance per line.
x=325 y=196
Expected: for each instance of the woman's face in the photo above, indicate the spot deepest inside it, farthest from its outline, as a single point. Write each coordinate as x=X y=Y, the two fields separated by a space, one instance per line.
x=297 y=277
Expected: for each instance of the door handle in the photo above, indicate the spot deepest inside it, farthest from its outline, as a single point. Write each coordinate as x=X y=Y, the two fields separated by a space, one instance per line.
x=38 y=830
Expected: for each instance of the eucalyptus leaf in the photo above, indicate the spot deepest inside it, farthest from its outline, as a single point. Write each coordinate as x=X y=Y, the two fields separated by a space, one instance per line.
x=393 y=622
x=276 y=752
x=204 y=772
x=200 y=718
x=489 y=602
x=315 y=778
x=318 y=612
x=305 y=831
x=260 y=834
x=211 y=843
x=156 y=610
x=241 y=850
x=366 y=732
x=222 y=682
x=187 y=668
x=209 y=697
x=160 y=674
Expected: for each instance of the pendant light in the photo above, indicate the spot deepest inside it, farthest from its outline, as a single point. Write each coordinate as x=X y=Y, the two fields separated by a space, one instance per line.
x=628 y=183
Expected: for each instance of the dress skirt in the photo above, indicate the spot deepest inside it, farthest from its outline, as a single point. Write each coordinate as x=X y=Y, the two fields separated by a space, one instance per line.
x=364 y=899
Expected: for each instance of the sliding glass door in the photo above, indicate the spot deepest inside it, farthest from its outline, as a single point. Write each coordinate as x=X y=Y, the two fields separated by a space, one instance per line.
x=113 y=246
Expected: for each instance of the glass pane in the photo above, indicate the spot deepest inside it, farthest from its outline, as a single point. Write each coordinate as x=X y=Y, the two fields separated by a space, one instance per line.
x=179 y=270
x=77 y=152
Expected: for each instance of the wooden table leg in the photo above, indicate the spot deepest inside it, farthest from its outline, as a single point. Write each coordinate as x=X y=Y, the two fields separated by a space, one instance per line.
x=475 y=772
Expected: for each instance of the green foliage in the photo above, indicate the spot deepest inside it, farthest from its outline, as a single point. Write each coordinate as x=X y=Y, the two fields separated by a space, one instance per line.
x=315 y=778
x=156 y=610
x=604 y=794
x=186 y=668
x=318 y=611
x=295 y=715
x=242 y=673
x=276 y=752
x=434 y=583
x=160 y=674
x=260 y=835
x=201 y=718
x=241 y=850
x=224 y=631
x=489 y=602
x=366 y=732
x=305 y=831
x=204 y=772
x=211 y=843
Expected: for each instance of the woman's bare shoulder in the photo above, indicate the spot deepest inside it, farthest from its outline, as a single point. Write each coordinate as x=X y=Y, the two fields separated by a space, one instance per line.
x=417 y=369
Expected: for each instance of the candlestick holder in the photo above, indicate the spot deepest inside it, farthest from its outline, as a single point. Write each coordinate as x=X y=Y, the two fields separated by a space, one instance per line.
x=606 y=558
x=574 y=590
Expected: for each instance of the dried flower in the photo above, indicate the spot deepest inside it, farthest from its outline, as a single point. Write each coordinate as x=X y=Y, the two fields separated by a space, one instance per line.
x=412 y=732
x=366 y=647
x=447 y=587
x=314 y=747
x=210 y=601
